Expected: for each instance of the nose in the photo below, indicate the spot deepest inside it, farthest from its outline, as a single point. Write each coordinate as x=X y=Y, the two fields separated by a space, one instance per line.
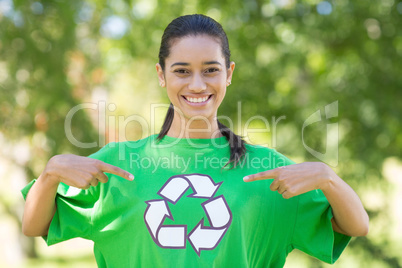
x=197 y=83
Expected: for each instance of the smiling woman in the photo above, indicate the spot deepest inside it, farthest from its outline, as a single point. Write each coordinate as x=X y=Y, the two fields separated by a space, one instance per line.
x=184 y=204
x=195 y=67
x=196 y=80
x=196 y=77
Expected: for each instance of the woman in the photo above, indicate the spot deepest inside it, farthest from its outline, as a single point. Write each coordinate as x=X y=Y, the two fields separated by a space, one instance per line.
x=192 y=203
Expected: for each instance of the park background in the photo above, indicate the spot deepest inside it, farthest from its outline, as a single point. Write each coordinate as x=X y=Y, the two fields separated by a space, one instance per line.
x=292 y=59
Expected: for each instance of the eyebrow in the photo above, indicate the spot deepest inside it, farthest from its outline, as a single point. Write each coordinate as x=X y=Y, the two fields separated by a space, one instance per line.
x=187 y=64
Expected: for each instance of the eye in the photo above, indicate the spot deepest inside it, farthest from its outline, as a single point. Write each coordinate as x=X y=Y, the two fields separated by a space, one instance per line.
x=212 y=70
x=181 y=71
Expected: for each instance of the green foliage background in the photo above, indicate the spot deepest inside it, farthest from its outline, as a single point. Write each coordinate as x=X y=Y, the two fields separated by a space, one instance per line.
x=290 y=60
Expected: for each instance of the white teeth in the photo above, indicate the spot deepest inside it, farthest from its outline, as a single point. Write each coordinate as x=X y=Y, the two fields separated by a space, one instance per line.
x=195 y=100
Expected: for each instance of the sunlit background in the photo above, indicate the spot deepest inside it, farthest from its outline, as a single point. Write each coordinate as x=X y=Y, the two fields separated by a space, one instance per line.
x=293 y=58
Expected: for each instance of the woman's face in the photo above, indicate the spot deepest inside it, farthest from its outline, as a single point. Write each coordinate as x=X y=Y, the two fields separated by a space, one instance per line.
x=196 y=76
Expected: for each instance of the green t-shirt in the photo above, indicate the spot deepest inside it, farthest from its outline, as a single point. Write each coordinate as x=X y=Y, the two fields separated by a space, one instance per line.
x=185 y=209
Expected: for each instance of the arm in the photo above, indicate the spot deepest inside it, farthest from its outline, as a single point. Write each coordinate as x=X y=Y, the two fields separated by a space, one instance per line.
x=39 y=206
x=350 y=218
x=77 y=171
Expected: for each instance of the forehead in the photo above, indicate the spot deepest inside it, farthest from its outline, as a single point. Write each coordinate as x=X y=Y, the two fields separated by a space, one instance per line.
x=193 y=48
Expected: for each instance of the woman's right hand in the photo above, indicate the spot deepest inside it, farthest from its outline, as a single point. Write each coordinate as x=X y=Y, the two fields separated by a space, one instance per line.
x=81 y=172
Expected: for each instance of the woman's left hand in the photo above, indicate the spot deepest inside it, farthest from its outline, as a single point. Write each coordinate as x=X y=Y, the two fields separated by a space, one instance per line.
x=295 y=179
x=350 y=217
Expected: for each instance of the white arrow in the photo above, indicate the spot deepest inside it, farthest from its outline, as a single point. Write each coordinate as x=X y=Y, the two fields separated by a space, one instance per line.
x=203 y=186
x=205 y=237
x=217 y=211
x=172 y=236
x=174 y=189
x=155 y=214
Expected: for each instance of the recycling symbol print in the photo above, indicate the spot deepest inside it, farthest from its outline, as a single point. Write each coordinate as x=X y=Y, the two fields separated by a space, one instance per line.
x=201 y=237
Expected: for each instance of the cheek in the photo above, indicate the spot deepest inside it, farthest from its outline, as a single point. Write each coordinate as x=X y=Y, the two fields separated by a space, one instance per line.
x=172 y=95
x=217 y=82
x=221 y=85
x=221 y=95
x=174 y=83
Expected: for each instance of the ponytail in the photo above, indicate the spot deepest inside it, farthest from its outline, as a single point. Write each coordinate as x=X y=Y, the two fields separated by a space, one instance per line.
x=236 y=143
x=167 y=123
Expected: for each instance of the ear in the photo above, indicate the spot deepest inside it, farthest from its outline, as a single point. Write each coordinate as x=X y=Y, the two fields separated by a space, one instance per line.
x=230 y=73
x=161 y=75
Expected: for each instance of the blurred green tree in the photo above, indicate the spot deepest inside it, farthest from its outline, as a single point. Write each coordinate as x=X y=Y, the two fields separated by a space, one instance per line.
x=293 y=58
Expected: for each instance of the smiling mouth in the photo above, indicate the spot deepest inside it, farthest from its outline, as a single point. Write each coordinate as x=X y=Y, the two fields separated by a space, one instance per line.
x=198 y=99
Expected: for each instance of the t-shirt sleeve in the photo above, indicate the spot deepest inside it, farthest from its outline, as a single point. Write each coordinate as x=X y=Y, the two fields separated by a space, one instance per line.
x=313 y=233
x=74 y=209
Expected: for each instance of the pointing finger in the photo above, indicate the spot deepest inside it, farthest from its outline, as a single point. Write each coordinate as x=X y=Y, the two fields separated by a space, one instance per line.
x=269 y=174
x=105 y=167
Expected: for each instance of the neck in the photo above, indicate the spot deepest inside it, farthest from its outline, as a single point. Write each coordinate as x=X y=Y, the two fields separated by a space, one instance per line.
x=192 y=128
